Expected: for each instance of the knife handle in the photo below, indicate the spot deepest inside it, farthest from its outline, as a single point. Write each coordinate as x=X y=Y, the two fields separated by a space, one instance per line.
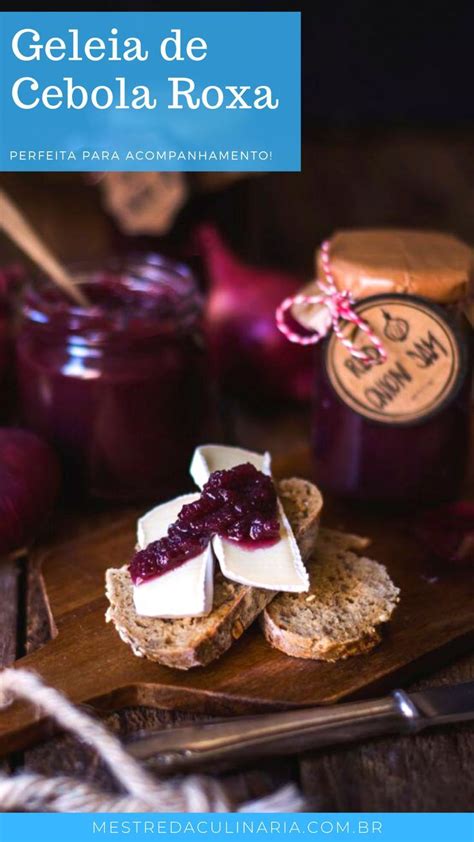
x=277 y=733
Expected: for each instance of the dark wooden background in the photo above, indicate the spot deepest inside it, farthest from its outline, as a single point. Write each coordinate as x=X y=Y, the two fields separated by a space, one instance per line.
x=407 y=178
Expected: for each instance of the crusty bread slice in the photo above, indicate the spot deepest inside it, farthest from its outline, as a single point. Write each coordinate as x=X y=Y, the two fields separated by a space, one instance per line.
x=350 y=597
x=196 y=641
x=303 y=503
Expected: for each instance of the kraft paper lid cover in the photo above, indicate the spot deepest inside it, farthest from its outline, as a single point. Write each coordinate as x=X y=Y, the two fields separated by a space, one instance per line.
x=374 y=261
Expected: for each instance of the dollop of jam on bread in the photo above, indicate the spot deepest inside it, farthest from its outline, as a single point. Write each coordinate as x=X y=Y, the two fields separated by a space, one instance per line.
x=239 y=505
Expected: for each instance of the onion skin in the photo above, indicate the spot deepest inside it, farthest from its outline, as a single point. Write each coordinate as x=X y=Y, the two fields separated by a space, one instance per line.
x=448 y=532
x=4 y=343
x=249 y=355
x=29 y=484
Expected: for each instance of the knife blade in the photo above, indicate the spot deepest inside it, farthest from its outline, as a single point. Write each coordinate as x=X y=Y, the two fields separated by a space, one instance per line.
x=445 y=704
x=240 y=738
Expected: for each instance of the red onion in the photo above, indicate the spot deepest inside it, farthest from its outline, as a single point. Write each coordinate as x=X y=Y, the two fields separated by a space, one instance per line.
x=4 y=341
x=249 y=354
x=29 y=483
x=448 y=532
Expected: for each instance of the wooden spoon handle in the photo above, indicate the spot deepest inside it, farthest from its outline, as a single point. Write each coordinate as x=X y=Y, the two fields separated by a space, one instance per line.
x=20 y=231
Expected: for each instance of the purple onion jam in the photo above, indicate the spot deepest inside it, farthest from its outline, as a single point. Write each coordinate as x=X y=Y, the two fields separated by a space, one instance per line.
x=239 y=504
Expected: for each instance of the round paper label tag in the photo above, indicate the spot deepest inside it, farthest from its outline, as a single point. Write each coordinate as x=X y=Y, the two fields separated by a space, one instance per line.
x=424 y=366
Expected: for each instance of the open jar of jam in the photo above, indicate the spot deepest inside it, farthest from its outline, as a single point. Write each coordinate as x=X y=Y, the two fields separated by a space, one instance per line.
x=396 y=429
x=11 y=278
x=120 y=388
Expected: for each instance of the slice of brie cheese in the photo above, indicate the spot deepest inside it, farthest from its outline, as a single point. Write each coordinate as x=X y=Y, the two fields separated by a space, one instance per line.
x=278 y=567
x=220 y=457
x=186 y=591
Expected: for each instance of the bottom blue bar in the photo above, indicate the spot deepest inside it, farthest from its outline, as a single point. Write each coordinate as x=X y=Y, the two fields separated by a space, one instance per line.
x=389 y=827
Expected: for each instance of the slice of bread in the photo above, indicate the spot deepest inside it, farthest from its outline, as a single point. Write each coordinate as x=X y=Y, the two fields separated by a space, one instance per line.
x=350 y=597
x=196 y=641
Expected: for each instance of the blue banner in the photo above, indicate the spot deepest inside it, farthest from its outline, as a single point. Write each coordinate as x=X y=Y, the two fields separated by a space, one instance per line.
x=150 y=91
x=389 y=827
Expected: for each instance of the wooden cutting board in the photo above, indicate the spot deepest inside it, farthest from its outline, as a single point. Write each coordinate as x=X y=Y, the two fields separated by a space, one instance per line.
x=87 y=660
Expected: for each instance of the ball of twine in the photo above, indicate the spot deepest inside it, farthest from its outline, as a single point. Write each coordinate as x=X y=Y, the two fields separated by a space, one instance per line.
x=142 y=792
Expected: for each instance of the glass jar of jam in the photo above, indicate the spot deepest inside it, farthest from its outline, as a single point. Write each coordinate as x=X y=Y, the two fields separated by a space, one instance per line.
x=120 y=388
x=11 y=280
x=396 y=430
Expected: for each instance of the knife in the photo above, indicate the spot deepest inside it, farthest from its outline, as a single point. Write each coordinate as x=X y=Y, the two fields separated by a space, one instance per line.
x=228 y=740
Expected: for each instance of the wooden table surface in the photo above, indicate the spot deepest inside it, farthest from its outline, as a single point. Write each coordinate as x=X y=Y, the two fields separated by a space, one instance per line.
x=430 y=771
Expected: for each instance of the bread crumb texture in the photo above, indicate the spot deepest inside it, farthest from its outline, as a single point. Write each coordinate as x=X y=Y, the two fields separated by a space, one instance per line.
x=196 y=641
x=350 y=597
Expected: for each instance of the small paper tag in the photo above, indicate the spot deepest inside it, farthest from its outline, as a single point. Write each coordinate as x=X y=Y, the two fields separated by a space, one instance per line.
x=144 y=202
x=312 y=316
x=424 y=368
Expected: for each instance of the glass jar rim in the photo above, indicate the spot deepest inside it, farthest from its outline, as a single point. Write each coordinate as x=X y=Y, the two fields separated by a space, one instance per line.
x=163 y=297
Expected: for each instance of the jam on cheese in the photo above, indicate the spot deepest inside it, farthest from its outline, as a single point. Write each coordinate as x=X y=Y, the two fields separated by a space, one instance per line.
x=272 y=566
x=187 y=591
x=239 y=505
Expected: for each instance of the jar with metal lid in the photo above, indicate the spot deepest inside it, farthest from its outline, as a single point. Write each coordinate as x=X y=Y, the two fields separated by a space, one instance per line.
x=395 y=427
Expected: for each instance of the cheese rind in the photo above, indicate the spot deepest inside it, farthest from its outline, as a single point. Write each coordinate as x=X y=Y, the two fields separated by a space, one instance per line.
x=154 y=524
x=219 y=457
x=278 y=567
x=186 y=591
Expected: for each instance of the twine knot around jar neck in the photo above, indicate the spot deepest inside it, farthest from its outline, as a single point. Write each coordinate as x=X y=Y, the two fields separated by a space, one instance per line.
x=340 y=306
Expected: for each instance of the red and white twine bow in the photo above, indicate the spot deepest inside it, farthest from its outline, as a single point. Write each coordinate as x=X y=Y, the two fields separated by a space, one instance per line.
x=340 y=306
